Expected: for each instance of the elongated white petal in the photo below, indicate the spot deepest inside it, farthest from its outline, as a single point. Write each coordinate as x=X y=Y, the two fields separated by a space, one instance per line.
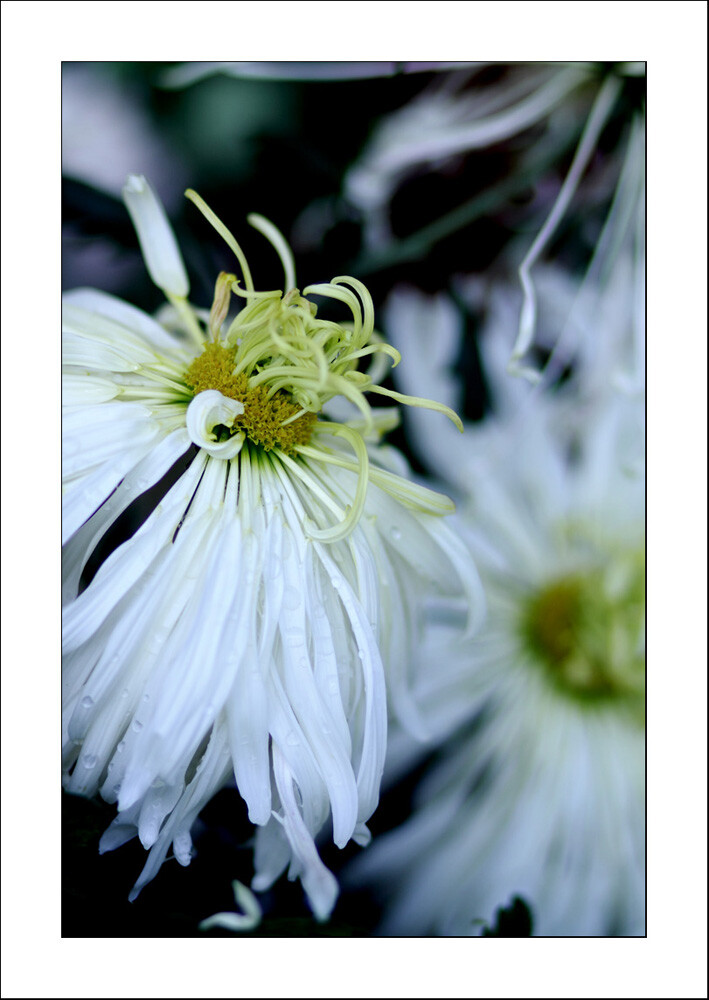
x=319 y=883
x=157 y=241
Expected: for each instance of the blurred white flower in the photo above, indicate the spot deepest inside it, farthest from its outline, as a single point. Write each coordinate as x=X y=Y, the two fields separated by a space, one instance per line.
x=541 y=792
x=241 y=630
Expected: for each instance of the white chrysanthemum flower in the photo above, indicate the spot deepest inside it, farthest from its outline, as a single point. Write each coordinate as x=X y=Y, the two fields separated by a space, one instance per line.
x=242 y=630
x=541 y=792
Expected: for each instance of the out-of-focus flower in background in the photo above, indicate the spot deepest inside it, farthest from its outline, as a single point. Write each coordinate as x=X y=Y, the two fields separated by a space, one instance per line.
x=538 y=786
x=540 y=792
x=247 y=628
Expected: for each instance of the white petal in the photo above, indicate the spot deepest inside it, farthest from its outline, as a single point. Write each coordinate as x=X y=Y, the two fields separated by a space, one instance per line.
x=134 y=320
x=212 y=772
x=319 y=883
x=157 y=241
x=206 y=411
x=141 y=477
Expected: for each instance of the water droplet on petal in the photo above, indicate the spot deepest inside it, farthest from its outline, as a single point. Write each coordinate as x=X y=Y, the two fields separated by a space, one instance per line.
x=89 y=761
x=87 y=702
x=137 y=726
x=121 y=746
x=395 y=534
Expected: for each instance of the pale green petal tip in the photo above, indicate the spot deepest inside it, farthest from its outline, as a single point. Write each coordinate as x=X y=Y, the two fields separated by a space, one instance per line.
x=278 y=242
x=238 y=922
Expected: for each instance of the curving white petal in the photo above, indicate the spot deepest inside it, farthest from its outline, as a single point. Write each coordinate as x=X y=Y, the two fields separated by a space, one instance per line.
x=157 y=241
x=207 y=410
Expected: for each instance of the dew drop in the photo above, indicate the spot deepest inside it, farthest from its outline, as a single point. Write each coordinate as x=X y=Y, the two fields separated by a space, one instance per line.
x=110 y=767
x=87 y=702
x=136 y=726
x=146 y=697
x=121 y=746
x=396 y=534
x=89 y=761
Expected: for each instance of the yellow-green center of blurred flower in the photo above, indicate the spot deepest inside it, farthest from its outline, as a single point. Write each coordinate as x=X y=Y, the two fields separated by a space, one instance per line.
x=587 y=630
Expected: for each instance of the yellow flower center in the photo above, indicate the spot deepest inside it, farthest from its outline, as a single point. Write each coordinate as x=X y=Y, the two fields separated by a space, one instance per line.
x=270 y=420
x=587 y=630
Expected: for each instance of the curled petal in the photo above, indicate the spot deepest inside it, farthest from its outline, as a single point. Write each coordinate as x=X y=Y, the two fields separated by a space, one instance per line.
x=206 y=411
x=246 y=921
